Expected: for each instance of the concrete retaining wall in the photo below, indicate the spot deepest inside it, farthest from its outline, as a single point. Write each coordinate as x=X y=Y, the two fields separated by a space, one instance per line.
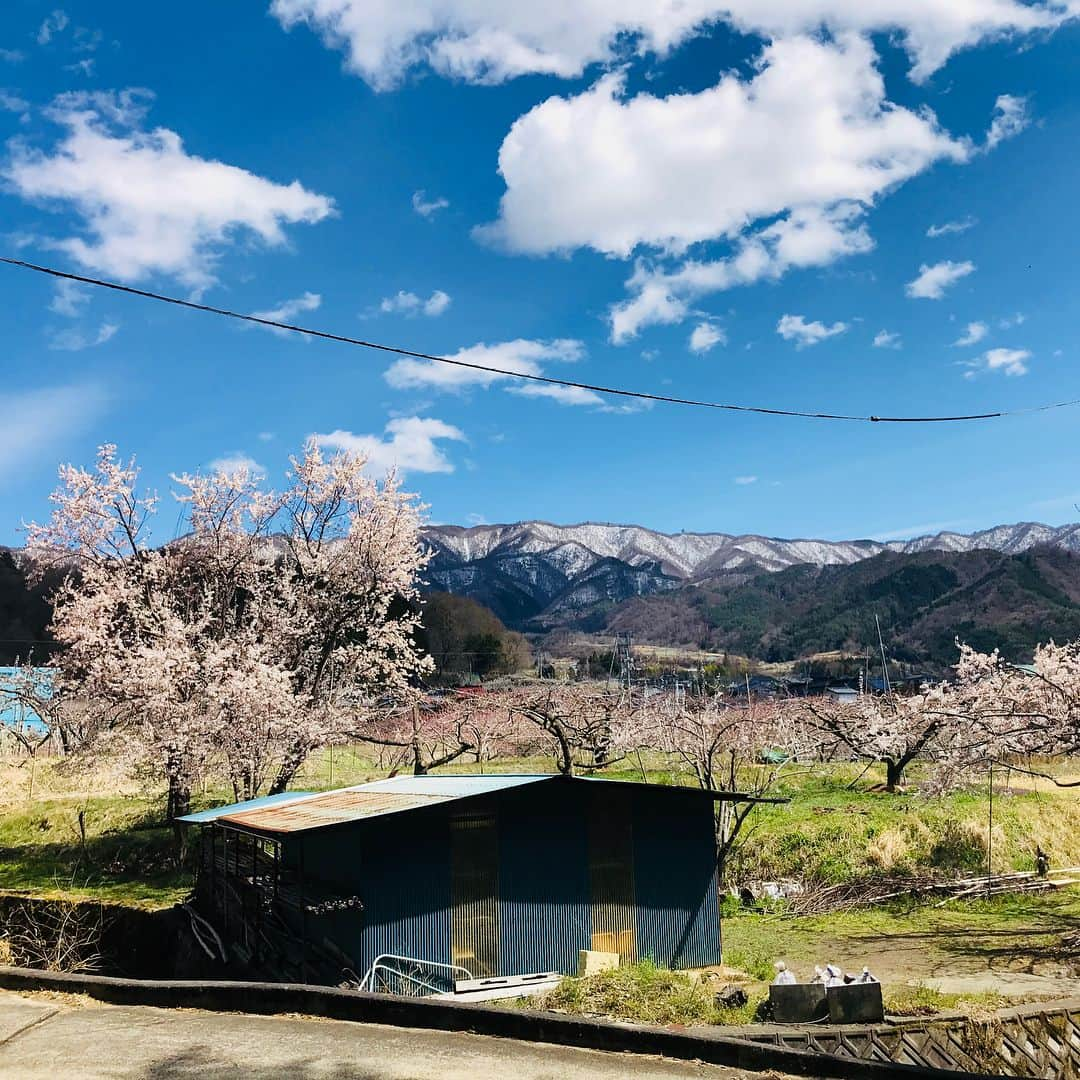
x=269 y=998
x=1040 y=1040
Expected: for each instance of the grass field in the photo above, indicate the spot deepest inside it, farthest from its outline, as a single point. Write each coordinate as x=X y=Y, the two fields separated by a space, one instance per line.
x=838 y=826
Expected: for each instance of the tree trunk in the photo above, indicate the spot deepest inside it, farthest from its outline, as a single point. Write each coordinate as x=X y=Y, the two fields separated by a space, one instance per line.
x=289 y=768
x=894 y=772
x=177 y=805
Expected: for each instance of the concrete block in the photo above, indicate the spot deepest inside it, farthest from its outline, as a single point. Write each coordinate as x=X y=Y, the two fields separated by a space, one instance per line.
x=592 y=962
x=856 y=1003
x=798 y=1003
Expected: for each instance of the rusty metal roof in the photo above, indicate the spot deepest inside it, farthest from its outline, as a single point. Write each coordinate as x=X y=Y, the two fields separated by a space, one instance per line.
x=330 y=808
x=300 y=811
x=313 y=811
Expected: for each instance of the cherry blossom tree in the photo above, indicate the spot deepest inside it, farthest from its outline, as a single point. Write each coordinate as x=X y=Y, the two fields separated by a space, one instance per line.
x=424 y=736
x=1001 y=712
x=728 y=746
x=888 y=729
x=581 y=725
x=266 y=630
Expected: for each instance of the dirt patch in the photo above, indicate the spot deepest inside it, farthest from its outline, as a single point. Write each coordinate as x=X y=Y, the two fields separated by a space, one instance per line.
x=957 y=962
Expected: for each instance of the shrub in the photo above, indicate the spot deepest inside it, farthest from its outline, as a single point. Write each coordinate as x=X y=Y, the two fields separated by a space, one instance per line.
x=961 y=845
x=639 y=992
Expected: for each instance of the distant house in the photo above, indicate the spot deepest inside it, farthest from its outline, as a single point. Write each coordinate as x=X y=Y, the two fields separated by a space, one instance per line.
x=841 y=693
x=496 y=875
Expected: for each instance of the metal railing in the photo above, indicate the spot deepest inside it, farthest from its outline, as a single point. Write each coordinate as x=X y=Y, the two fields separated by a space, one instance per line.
x=408 y=976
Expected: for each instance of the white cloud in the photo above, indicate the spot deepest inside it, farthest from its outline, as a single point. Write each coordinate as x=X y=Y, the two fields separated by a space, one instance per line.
x=266 y=436
x=1012 y=320
x=488 y=41
x=69 y=298
x=744 y=480
x=12 y=56
x=1010 y=118
x=74 y=340
x=973 y=334
x=932 y=281
x=796 y=328
x=705 y=335
x=408 y=303
x=287 y=310
x=11 y=102
x=426 y=207
x=37 y=421
x=886 y=339
x=237 y=461
x=806 y=237
x=810 y=129
x=54 y=23
x=951 y=228
x=1009 y=361
x=807 y=144
x=521 y=355
x=410 y=444
x=146 y=204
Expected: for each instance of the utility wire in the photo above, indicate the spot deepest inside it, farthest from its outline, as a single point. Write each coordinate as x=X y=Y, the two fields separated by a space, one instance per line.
x=548 y=380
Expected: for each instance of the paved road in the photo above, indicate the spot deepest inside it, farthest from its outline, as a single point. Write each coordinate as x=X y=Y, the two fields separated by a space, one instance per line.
x=43 y=1039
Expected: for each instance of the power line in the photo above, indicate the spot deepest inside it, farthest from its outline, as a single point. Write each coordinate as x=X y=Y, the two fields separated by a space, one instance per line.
x=548 y=380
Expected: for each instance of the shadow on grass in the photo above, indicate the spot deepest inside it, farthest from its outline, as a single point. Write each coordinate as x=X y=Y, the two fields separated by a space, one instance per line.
x=137 y=863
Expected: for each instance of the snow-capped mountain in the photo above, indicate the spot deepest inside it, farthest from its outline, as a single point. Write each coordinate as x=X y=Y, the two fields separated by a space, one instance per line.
x=525 y=569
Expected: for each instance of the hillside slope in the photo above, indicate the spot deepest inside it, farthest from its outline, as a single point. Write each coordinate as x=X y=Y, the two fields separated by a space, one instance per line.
x=924 y=601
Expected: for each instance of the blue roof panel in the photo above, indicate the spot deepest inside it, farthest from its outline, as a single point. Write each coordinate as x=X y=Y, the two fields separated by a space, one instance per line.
x=204 y=816
x=452 y=787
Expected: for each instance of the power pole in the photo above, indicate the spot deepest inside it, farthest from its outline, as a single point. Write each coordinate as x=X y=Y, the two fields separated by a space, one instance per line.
x=884 y=666
x=625 y=658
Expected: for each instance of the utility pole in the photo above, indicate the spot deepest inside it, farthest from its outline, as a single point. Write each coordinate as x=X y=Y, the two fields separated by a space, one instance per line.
x=625 y=658
x=884 y=665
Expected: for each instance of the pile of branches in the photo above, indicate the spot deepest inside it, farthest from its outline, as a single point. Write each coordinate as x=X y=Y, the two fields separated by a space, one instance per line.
x=825 y=899
x=53 y=935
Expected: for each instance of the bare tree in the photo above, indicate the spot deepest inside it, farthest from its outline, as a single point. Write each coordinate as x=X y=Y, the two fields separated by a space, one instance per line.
x=425 y=736
x=584 y=726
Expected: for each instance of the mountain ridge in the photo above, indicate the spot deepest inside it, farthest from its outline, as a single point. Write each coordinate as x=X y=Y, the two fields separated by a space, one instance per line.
x=535 y=574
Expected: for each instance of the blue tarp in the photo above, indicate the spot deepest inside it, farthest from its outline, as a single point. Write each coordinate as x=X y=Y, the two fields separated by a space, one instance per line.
x=15 y=713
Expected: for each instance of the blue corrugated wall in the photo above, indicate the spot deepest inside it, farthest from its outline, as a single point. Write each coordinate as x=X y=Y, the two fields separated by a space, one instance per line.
x=544 y=884
x=675 y=883
x=400 y=866
x=401 y=869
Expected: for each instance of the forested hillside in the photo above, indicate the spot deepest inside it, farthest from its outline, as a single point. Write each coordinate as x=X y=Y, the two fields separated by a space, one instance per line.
x=924 y=601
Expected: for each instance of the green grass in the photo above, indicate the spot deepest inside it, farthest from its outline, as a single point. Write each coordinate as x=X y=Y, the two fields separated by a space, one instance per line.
x=646 y=994
x=127 y=857
x=836 y=828
x=832 y=833
x=922 y=1000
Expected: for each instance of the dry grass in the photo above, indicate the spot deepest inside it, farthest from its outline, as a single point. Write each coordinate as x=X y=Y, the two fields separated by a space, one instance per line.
x=645 y=994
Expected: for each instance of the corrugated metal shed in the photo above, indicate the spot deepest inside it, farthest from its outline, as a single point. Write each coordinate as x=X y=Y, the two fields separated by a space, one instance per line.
x=506 y=874
x=300 y=811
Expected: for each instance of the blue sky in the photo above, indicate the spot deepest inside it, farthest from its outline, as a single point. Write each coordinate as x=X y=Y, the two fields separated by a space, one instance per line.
x=800 y=205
